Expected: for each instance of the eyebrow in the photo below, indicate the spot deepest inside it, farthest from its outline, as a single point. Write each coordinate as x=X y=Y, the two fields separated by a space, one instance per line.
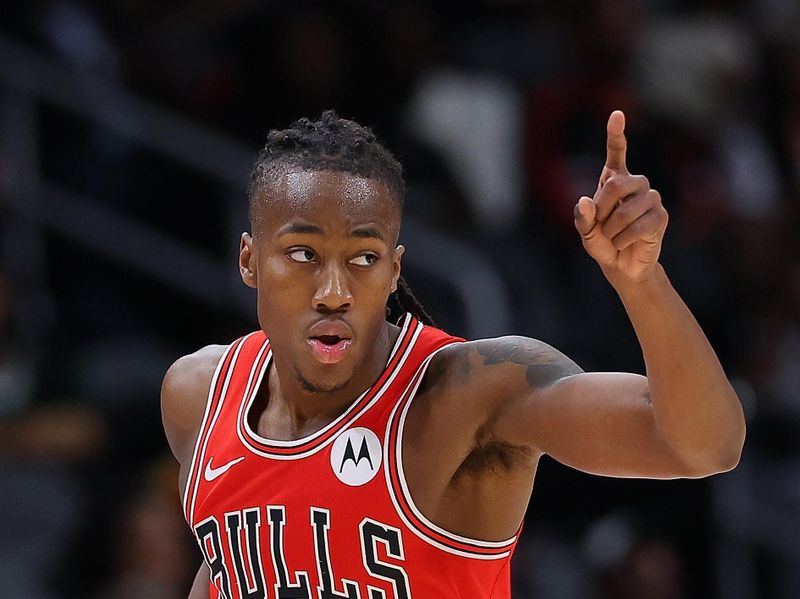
x=299 y=228
x=367 y=232
x=363 y=232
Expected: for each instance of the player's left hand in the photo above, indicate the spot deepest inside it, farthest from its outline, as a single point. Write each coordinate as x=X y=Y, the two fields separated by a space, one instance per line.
x=623 y=225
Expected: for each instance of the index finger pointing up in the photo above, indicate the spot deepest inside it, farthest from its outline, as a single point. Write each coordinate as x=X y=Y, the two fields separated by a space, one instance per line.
x=617 y=145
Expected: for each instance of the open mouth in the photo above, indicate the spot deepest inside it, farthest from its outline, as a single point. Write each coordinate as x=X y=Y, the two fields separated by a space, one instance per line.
x=329 y=349
x=329 y=339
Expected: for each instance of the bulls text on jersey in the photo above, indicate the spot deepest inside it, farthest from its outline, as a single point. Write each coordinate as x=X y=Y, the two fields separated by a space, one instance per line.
x=247 y=570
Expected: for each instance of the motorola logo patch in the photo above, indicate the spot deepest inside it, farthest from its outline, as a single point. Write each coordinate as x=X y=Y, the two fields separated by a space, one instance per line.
x=356 y=456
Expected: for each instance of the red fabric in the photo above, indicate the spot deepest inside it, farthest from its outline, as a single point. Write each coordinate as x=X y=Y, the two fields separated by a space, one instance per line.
x=300 y=476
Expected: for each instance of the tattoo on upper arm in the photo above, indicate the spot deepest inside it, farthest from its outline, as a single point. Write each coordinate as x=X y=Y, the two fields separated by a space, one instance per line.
x=433 y=376
x=455 y=368
x=543 y=365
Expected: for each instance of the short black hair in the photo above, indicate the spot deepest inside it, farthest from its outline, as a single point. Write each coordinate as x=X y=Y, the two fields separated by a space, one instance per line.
x=330 y=143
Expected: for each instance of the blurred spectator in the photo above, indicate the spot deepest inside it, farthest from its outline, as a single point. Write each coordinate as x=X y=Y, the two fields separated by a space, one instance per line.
x=651 y=569
x=152 y=550
x=631 y=564
x=42 y=501
x=474 y=123
x=690 y=65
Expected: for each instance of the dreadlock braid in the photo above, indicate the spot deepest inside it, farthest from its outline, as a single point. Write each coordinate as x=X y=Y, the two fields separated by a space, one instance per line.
x=402 y=301
x=332 y=143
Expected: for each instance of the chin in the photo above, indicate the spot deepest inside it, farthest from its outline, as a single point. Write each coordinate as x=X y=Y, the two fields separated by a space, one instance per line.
x=320 y=386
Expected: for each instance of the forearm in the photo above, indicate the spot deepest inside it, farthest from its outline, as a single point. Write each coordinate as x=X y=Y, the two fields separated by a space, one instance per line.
x=696 y=409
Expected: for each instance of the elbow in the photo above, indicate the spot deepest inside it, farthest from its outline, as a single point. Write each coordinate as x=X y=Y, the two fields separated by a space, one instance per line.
x=728 y=461
x=722 y=457
x=731 y=454
x=702 y=468
x=737 y=448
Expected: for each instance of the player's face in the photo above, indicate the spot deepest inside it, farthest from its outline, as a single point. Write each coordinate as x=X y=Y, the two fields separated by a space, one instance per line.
x=324 y=261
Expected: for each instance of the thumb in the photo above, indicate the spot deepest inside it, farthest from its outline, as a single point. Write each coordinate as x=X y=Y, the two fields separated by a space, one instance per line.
x=585 y=211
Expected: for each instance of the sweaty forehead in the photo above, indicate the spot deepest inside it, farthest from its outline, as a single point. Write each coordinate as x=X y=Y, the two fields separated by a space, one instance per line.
x=333 y=198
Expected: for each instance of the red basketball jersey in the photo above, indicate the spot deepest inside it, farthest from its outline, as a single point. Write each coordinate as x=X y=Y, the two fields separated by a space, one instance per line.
x=329 y=515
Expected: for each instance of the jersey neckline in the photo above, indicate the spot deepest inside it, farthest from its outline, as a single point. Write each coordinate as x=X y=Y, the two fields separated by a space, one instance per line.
x=308 y=444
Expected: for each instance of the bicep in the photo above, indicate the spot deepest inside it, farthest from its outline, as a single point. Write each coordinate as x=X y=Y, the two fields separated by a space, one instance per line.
x=600 y=423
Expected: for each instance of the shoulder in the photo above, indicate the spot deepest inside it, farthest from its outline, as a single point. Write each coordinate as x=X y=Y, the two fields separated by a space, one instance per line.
x=542 y=364
x=472 y=389
x=481 y=379
x=495 y=358
x=184 y=394
x=186 y=369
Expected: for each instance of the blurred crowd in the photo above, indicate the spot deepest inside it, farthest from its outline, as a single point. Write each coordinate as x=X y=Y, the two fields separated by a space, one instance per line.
x=497 y=109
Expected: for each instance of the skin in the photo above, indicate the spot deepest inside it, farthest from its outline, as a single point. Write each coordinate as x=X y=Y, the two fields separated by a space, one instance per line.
x=488 y=409
x=326 y=239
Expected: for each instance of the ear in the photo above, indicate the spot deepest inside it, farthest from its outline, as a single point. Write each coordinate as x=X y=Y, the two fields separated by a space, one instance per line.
x=396 y=266
x=247 y=261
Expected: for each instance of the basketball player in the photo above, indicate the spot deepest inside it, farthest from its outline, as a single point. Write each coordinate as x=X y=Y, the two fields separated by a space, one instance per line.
x=340 y=453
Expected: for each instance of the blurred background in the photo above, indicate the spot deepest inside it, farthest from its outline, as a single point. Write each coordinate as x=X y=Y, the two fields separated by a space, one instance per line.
x=128 y=130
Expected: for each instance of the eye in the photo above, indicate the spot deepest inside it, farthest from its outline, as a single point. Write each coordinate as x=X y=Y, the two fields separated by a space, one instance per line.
x=302 y=255
x=364 y=260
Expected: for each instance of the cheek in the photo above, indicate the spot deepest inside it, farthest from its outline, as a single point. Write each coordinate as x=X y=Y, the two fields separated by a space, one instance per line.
x=280 y=292
x=277 y=274
x=377 y=285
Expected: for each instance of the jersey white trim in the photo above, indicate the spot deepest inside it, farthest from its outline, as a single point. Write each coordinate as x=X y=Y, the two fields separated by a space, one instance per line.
x=411 y=390
x=199 y=440
x=346 y=415
x=207 y=436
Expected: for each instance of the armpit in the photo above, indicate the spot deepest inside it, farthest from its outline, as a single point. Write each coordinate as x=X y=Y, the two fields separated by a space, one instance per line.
x=493 y=456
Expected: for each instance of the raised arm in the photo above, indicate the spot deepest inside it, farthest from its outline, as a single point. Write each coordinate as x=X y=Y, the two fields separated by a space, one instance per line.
x=682 y=420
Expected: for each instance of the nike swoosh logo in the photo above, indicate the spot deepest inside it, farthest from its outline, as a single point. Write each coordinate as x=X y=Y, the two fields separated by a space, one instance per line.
x=212 y=473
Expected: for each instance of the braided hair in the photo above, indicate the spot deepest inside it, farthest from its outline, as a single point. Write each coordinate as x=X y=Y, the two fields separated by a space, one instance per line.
x=332 y=143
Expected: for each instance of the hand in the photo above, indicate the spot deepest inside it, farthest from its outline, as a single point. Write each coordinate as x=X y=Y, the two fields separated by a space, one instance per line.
x=623 y=224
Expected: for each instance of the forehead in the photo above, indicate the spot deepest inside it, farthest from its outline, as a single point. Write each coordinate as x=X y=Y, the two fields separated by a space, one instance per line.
x=335 y=199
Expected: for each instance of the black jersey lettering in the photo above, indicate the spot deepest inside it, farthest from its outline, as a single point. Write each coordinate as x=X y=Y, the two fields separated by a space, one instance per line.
x=321 y=522
x=211 y=546
x=372 y=533
x=283 y=588
x=381 y=550
x=252 y=524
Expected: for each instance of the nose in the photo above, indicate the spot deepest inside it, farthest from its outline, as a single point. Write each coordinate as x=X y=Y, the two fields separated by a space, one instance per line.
x=333 y=291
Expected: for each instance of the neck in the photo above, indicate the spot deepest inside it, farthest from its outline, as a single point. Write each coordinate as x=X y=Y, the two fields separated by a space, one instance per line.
x=294 y=410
